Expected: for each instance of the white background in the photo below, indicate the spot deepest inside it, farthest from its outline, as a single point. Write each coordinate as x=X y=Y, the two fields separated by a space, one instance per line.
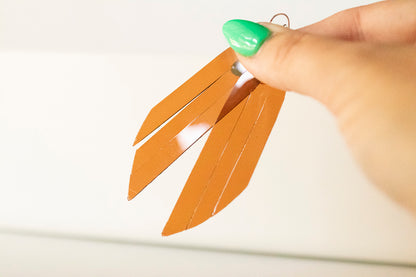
x=77 y=79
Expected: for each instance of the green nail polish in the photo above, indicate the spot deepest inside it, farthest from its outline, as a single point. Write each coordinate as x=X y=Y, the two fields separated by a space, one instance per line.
x=245 y=37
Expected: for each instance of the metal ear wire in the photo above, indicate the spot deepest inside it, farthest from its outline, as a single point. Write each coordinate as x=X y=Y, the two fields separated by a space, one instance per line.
x=281 y=14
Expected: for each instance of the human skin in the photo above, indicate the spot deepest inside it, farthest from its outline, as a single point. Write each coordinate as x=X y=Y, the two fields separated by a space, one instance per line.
x=361 y=64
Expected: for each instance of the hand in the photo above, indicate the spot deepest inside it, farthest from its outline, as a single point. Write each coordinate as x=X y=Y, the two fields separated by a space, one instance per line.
x=361 y=64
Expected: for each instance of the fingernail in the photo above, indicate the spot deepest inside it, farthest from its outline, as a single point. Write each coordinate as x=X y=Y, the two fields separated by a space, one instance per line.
x=245 y=37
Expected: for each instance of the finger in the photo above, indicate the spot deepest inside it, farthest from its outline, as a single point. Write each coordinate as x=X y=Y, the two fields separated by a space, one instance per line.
x=332 y=71
x=387 y=21
x=369 y=87
x=309 y=64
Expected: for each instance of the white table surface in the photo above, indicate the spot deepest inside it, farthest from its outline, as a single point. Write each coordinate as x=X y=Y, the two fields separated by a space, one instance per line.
x=43 y=257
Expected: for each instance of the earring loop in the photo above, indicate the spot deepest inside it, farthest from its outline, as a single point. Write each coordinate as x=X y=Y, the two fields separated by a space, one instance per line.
x=281 y=14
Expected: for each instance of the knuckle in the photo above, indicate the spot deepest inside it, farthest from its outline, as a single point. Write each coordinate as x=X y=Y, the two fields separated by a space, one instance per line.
x=287 y=47
x=286 y=52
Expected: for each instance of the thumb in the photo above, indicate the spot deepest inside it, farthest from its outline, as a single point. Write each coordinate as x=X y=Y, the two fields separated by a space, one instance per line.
x=293 y=60
x=369 y=87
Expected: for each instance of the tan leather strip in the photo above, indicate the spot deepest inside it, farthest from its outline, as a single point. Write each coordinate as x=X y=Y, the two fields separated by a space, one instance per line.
x=186 y=93
x=227 y=161
x=197 y=181
x=156 y=154
x=253 y=148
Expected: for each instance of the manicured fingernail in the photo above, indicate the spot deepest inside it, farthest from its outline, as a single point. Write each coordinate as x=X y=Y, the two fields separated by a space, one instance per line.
x=245 y=37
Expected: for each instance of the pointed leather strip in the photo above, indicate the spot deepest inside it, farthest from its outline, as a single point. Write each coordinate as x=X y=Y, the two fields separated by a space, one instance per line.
x=232 y=152
x=186 y=93
x=241 y=156
x=205 y=165
x=179 y=134
x=178 y=123
x=211 y=187
x=247 y=161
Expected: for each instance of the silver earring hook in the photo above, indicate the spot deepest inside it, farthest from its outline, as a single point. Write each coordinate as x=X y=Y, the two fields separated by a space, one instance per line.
x=281 y=14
